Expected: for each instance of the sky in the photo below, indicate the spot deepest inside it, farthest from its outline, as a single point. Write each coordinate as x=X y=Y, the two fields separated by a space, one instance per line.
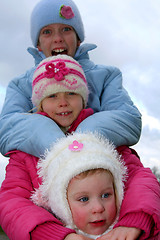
x=127 y=36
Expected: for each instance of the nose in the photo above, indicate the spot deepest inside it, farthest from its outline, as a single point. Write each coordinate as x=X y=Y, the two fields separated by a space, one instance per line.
x=63 y=101
x=97 y=206
x=58 y=37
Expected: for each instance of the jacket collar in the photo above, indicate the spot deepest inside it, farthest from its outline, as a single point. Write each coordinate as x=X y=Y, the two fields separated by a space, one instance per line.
x=82 y=52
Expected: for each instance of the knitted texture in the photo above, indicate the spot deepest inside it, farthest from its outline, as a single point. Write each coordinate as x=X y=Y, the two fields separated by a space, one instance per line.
x=55 y=11
x=58 y=74
x=70 y=156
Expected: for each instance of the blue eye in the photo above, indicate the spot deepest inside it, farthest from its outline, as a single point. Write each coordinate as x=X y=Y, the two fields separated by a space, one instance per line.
x=71 y=93
x=46 y=31
x=105 y=195
x=52 y=96
x=84 y=199
x=66 y=29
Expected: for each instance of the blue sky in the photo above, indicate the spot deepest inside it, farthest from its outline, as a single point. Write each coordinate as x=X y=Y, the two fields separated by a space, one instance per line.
x=128 y=37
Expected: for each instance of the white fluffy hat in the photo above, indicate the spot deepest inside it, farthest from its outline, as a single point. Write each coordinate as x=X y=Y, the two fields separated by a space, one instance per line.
x=69 y=157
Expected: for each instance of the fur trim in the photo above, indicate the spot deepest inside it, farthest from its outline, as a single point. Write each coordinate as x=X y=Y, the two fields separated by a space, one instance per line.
x=61 y=164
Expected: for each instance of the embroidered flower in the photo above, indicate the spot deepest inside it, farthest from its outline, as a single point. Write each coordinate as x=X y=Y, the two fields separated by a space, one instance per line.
x=66 y=12
x=75 y=146
x=57 y=71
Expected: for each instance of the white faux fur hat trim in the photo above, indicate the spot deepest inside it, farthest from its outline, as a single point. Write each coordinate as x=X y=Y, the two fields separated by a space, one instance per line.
x=69 y=157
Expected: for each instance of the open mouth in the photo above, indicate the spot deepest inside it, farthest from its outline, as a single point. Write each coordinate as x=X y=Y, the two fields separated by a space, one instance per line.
x=55 y=52
x=98 y=223
x=64 y=114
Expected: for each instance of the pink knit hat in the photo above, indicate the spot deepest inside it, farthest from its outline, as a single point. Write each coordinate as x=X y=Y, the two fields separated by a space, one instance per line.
x=59 y=73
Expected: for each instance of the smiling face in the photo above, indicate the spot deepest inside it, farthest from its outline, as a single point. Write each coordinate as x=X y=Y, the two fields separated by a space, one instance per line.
x=63 y=107
x=92 y=202
x=58 y=39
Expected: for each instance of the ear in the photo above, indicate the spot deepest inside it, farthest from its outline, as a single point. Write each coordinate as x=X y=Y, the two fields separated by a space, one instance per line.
x=39 y=48
x=78 y=43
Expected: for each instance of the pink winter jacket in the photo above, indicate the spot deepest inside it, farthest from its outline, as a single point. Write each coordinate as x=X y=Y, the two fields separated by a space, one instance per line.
x=22 y=220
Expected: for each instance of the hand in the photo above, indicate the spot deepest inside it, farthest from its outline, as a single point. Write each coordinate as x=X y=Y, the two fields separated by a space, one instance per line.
x=74 y=236
x=122 y=233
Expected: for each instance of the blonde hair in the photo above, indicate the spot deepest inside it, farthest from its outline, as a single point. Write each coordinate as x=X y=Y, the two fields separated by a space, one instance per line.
x=39 y=107
x=91 y=172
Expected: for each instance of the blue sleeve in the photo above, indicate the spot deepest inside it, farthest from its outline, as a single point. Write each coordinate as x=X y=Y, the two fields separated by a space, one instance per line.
x=31 y=133
x=116 y=116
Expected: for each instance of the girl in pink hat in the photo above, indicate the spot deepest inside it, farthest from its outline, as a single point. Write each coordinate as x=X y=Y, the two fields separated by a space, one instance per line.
x=60 y=95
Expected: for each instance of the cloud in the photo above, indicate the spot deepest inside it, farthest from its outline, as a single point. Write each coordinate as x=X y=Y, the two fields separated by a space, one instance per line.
x=148 y=147
x=2 y=96
x=15 y=38
x=3 y=164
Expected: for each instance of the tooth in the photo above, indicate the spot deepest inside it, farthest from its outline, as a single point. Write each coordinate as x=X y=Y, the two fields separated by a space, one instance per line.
x=64 y=113
x=58 y=50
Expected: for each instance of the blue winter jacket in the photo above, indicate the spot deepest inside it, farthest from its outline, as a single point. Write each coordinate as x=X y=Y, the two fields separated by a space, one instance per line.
x=115 y=115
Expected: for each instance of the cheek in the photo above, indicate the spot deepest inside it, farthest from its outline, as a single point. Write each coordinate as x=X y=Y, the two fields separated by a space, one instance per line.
x=77 y=104
x=79 y=217
x=44 y=46
x=44 y=106
x=47 y=106
x=111 y=211
x=73 y=44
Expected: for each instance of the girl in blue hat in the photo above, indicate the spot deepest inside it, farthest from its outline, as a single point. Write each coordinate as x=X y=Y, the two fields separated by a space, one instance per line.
x=57 y=28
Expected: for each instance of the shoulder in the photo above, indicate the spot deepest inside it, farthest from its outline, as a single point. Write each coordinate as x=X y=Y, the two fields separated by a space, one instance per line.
x=104 y=76
x=89 y=66
x=22 y=84
x=130 y=157
x=107 y=70
x=22 y=156
x=101 y=72
x=26 y=77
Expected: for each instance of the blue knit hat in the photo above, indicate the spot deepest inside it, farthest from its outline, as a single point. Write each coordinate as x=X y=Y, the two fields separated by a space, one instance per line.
x=55 y=11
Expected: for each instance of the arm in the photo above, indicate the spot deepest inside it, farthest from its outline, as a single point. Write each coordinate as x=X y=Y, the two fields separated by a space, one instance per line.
x=19 y=217
x=74 y=236
x=122 y=233
x=116 y=116
x=141 y=204
x=19 y=129
x=139 y=214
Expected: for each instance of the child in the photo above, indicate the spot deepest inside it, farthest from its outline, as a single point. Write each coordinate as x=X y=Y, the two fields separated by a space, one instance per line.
x=19 y=217
x=56 y=27
x=60 y=91
x=82 y=183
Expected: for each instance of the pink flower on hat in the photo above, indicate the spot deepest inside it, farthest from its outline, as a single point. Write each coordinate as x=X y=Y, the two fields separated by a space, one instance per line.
x=57 y=71
x=66 y=12
x=75 y=146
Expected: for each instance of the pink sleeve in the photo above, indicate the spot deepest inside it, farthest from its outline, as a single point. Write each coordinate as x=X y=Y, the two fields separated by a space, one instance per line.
x=19 y=216
x=141 y=204
x=82 y=116
x=50 y=231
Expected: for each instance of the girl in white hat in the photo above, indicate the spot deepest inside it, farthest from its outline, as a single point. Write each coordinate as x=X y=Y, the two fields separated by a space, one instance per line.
x=60 y=92
x=83 y=183
x=62 y=78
